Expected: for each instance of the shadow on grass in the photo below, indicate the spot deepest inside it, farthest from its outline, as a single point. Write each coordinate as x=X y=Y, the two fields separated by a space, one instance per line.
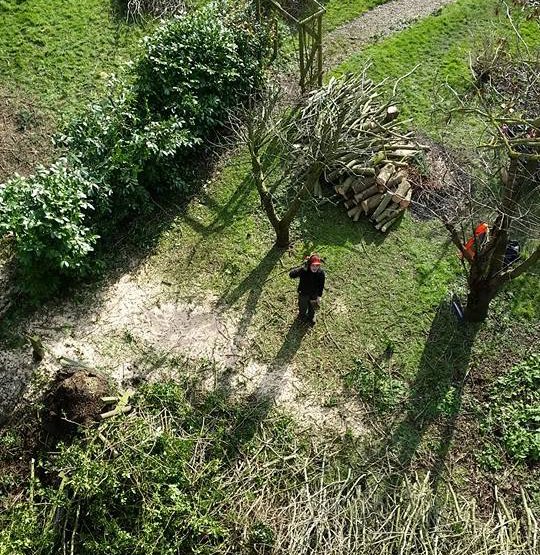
x=250 y=287
x=328 y=224
x=225 y=214
x=436 y=397
x=255 y=409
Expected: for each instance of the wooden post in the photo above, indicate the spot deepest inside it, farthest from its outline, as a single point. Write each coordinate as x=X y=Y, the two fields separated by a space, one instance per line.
x=320 y=54
x=309 y=42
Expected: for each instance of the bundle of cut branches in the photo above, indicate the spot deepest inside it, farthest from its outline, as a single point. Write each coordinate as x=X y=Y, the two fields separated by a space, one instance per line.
x=371 y=154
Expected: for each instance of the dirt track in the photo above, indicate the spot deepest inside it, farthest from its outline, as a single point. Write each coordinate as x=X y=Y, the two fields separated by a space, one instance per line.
x=379 y=22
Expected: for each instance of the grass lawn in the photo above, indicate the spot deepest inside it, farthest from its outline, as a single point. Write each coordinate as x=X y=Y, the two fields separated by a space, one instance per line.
x=339 y=12
x=385 y=330
x=59 y=53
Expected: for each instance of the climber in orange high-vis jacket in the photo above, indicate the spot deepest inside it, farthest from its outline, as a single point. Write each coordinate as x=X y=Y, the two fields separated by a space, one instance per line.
x=480 y=236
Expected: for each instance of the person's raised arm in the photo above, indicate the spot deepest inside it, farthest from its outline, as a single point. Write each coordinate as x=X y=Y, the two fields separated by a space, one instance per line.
x=295 y=272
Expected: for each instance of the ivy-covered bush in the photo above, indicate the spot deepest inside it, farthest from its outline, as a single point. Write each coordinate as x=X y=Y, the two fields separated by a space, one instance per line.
x=193 y=70
x=136 y=141
x=49 y=217
x=198 y=66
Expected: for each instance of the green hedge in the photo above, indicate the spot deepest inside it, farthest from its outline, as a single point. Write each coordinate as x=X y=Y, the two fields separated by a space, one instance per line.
x=134 y=143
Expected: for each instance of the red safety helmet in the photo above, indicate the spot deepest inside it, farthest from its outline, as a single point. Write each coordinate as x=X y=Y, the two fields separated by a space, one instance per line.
x=314 y=260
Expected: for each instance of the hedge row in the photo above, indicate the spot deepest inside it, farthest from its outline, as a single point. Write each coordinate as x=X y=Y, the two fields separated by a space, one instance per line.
x=133 y=143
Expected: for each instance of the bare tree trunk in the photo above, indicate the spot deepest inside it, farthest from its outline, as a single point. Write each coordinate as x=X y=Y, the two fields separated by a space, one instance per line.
x=283 y=239
x=481 y=293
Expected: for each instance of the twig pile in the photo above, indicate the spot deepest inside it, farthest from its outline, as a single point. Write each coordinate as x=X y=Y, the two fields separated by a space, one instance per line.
x=371 y=174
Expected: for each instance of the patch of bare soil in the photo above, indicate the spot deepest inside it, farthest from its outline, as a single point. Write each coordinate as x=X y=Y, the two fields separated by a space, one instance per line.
x=75 y=398
x=25 y=136
x=137 y=330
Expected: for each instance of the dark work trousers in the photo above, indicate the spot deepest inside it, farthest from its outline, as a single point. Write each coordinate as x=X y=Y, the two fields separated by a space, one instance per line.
x=305 y=308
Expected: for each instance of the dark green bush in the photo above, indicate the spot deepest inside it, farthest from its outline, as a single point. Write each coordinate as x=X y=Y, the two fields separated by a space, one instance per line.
x=193 y=70
x=196 y=67
x=135 y=142
x=49 y=216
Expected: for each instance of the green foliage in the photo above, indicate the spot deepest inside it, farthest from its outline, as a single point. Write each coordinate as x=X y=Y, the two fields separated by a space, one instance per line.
x=125 y=150
x=192 y=71
x=164 y=481
x=132 y=144
x=49 y=217
x=196 y=67
x=376 y=385
x=153 y=483
x=514 y=410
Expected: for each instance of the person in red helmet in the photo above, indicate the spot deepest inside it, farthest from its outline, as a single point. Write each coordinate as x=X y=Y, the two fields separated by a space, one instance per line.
x=310 y=287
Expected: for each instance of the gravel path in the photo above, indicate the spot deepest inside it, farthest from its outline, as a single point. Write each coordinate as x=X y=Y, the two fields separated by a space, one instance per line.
x=342 y=43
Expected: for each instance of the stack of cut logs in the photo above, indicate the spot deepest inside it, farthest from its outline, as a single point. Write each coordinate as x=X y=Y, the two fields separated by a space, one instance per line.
x=375 y=183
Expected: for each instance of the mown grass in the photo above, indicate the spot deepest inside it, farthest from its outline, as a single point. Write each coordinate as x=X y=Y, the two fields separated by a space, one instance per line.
x=60 y=53
x=385 y=330
x=339 y=12
x=440 y=44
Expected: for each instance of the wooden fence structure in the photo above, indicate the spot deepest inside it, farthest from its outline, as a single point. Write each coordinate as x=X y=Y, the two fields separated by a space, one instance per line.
x=309 y=39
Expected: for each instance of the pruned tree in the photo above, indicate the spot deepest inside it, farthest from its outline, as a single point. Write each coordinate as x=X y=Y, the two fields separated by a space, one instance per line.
x=291 y=148
x=506 y=98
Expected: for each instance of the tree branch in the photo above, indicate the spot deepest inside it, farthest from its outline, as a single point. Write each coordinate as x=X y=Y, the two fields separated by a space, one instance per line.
x=523 y=267
x=457 y=241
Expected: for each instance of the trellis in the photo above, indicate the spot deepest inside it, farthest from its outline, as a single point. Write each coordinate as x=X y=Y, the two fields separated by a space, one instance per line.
x=309 y=40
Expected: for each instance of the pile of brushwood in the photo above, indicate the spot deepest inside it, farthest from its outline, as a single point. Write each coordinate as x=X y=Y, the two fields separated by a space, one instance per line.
x=191 y=473
x=372 y=176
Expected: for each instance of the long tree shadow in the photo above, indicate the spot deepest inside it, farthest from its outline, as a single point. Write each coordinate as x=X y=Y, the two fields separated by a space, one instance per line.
x=436 y=397
x=256 y=407
x=251 y=287
x=225 y=214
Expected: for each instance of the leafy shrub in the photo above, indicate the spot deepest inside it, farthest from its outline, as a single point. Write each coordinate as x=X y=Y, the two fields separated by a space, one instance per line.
x=164 y=481
x=514 y=410
x=136 y=141
x=198 y=66
x=193 y=70
x=124 y=151
x=49 y=216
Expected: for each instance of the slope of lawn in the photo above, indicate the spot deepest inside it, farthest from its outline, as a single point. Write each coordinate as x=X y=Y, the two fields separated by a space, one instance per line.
x=59 y=53
x=439 y=45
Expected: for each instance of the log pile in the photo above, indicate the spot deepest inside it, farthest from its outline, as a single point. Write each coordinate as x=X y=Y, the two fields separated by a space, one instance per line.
x=373 y=180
